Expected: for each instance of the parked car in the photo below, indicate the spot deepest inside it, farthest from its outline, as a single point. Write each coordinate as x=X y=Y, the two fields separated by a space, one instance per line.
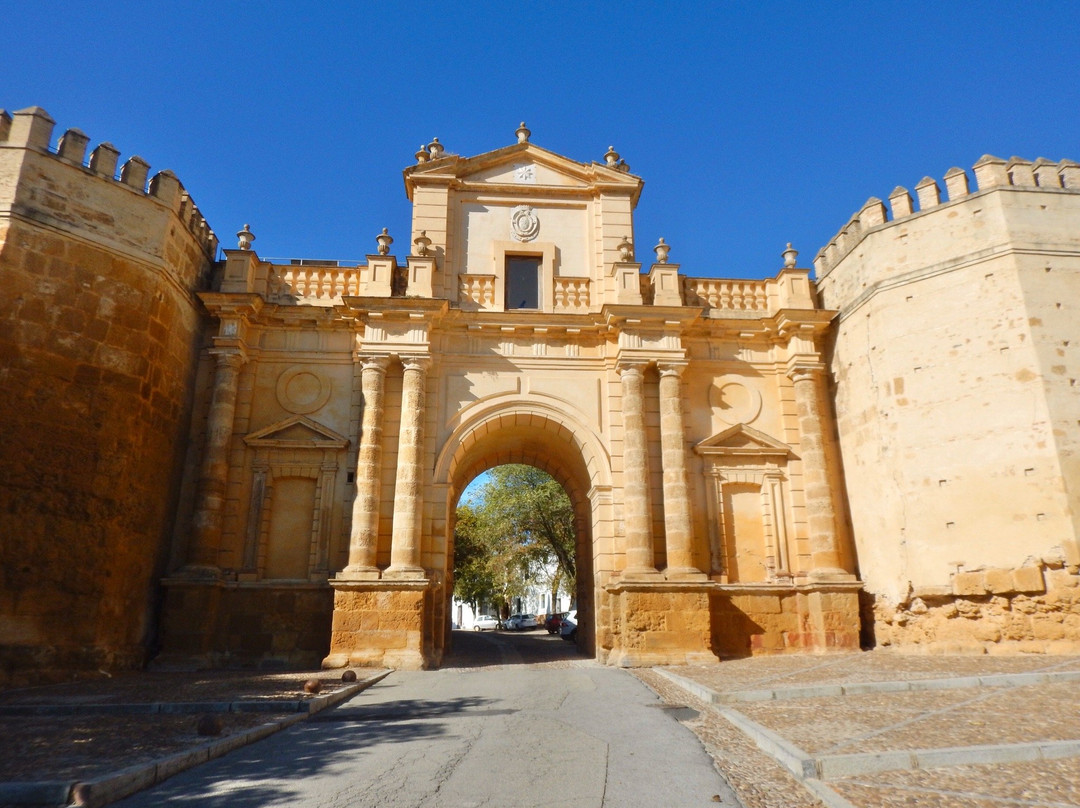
x=568 y=630
x=519 y=622
x=485 y=622
x=554 y=622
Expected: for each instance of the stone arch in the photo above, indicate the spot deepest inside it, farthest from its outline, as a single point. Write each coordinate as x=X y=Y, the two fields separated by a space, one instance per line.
x=534 y=431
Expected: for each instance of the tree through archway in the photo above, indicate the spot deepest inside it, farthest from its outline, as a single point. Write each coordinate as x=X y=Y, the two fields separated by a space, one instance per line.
x=514 y=536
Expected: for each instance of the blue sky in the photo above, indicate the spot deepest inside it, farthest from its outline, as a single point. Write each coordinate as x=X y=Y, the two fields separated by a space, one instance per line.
x=752 y=124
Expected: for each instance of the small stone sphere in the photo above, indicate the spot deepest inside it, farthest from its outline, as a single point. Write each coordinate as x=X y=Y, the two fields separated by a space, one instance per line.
x=209 y=725
x=312 y=686
x=348 y=676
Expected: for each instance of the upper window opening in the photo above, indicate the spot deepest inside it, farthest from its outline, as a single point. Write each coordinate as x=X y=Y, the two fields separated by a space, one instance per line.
x=522 y=282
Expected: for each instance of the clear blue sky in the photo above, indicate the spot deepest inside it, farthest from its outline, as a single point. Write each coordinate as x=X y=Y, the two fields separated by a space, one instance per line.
x=752 y=123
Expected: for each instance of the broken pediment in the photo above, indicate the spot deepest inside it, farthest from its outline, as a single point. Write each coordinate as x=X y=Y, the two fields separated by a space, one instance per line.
x=742 y=440
x=297 y=432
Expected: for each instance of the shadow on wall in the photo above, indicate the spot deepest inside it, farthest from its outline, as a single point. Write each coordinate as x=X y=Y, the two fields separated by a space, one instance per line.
x=732 y=629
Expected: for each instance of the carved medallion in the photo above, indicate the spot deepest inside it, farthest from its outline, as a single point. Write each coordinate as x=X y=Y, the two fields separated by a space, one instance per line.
x=525 y=173
x=302 y=390
x=524 y=223
x=734 y=402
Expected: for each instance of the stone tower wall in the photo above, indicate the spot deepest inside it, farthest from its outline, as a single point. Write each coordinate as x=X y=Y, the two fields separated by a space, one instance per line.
x=955 y=363
x=99 y=328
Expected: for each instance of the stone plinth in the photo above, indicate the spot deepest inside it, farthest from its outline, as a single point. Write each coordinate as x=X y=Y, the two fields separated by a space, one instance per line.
x=755 y=619
x=661 y=623
x=230 y=624
x=378 y=624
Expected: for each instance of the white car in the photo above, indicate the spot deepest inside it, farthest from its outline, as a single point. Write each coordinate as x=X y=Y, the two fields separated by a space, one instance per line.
x=568 y=631
x=485 y=622
x=517 y=622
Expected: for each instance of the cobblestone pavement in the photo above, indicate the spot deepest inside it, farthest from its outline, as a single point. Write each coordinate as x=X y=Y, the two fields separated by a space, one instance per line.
x=887 y=729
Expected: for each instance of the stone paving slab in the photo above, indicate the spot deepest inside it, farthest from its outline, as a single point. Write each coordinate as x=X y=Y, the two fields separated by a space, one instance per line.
x=881 y=730
x=879 y=722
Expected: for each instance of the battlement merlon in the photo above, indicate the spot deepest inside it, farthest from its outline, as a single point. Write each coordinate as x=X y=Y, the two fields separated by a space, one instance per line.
x=25 y=138
x=991 y=173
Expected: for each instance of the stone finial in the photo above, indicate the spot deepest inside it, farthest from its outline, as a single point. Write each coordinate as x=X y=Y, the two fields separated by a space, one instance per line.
x=435 y=148
x=385 y=241
x=244 y=238
x=626 y=250
x=421 y=243
x=611 y=157
x=790 y=254
x=522 y=133
x=662 y=249
x=422 y=155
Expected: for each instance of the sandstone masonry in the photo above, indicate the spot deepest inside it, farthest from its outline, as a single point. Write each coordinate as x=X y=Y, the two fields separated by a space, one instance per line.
x=247 y=462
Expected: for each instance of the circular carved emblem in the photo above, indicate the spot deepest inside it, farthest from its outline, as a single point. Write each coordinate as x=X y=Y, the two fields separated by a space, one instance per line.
x=734 y=402
x=301 y=390
x=524 y=223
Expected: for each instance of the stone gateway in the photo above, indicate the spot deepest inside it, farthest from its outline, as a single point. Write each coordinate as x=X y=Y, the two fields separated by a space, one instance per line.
x=242 y=462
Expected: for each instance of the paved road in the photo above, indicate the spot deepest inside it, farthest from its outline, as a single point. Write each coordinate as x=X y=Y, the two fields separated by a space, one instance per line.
x=513 y=720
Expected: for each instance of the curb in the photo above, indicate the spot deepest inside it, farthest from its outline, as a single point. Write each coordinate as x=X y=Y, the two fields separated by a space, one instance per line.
x=1004 y=680
x=125 y=782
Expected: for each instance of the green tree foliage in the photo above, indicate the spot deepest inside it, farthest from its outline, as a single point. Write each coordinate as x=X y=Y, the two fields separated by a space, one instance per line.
x=519 y=527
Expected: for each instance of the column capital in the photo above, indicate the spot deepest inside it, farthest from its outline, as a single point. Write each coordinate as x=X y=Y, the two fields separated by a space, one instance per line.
x=799 y=371
x=668 y=368
x=421 y=363
x=371 y=362
x=627 y=366
x=233 y=357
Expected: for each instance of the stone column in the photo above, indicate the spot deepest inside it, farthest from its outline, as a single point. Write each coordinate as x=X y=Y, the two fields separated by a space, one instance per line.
x=214 y=473
x=640 y=557
x=409 y=486
x=820 y=508
x=364 y=536
x=678 y=524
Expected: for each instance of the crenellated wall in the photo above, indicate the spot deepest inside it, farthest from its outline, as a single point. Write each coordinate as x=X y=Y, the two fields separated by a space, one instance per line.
x=955 y=363
x=99 y=329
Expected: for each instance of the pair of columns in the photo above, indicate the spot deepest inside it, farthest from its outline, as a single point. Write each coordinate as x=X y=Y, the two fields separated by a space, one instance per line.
x=678 y=524
x=807 y=381
x=409 y=486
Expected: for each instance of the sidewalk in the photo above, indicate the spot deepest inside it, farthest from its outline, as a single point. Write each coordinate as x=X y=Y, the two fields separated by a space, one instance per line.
x=885 y=729
x=90 y=743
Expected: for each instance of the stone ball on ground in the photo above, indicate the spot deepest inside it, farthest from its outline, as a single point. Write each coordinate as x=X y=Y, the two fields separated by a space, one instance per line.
x=209 y=725
x=312 y=686
x=348 y=676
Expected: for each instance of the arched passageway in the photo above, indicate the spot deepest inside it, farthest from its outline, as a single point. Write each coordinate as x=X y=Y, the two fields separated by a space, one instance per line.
x=532 y=433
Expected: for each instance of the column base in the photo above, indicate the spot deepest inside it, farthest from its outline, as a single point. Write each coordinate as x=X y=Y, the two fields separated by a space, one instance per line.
x=685 y=574
x=404 y=573
x=358 y=574
x=379 y=623
x=640 y=574
x=830 y=574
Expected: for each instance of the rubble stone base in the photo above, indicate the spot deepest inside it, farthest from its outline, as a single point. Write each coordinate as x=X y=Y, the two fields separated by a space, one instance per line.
x=659 y=624
x=756 y=619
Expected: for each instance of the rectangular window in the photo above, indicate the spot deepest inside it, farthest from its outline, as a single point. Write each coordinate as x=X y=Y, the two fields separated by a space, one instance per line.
x=522 y=282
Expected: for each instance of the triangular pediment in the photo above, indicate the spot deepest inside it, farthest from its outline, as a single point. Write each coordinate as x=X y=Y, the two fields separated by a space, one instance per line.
x=521 y=165
x=297 y=432
x=742 y=440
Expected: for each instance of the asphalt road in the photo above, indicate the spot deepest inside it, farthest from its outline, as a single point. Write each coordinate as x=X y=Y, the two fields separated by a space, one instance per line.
x=510 y=721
